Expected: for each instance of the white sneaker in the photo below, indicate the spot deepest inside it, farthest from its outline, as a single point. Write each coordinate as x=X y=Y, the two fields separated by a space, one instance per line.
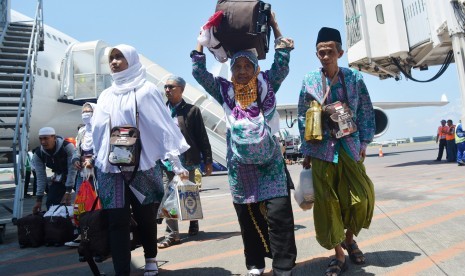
x=255 y=272
x=74 y=243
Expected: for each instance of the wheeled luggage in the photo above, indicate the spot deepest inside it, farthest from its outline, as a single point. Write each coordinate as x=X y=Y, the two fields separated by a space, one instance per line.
x=58 y=229
x=31 y=230
x=245 y=25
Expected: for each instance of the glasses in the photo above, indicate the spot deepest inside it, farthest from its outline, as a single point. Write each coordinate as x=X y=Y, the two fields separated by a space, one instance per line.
x=169 y=86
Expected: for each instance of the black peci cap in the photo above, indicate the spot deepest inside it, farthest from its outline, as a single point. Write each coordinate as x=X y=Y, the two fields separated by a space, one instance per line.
x=328 y=34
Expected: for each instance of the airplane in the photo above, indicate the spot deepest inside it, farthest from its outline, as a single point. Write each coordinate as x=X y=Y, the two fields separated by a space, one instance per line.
x=58 y=89
x=68 y=73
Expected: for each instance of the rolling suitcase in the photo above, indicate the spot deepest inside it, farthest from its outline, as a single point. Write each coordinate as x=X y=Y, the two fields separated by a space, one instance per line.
x=31 y=230
x=245 y=25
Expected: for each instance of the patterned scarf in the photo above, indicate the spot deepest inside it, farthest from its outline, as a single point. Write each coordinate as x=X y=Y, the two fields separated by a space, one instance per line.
x=246 y=94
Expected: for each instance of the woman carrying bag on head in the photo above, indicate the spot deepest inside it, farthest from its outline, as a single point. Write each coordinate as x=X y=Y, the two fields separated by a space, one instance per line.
x=132 y=100
x=255 y=165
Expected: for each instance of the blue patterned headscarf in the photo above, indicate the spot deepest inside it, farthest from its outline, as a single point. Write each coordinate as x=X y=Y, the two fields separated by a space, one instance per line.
x=251 y=56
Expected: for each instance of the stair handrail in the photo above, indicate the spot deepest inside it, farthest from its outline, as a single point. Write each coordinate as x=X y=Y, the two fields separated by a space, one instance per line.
x=20 y=138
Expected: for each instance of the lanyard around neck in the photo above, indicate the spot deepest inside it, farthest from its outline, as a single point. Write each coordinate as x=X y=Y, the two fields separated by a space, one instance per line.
x=333 y=82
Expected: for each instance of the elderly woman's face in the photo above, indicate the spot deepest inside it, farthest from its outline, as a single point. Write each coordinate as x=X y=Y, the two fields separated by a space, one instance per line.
x=117 y=61
x=243 y=70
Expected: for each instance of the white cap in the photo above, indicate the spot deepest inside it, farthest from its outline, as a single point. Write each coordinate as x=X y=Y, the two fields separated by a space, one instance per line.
x=47 y=131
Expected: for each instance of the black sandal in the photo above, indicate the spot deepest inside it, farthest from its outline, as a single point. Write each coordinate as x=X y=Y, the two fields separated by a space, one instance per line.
x=355 y=254
x=167 y=242
x=336 y=267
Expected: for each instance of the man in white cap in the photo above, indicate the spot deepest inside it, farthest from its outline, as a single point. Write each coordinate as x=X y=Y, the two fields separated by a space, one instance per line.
x=56 y=154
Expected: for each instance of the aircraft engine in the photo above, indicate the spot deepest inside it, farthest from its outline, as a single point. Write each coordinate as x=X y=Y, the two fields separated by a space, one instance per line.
x=381 y=122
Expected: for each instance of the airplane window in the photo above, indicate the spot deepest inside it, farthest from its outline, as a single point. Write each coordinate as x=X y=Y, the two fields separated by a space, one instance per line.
x=60 y=40
x=54 y=37
x=39 y=71
x=46 y=73
x=66 y=42
x=49 y=35
x=58 y=77
x=52 y=75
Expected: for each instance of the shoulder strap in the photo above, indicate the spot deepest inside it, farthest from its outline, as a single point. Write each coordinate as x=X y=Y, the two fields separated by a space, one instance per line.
x=326 y=89
x=137 y=110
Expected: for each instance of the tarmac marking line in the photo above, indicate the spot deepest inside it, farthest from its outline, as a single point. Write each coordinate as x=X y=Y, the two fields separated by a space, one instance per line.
x=417 y=206
x=427 y=262
x=378 y=239
x=397 y=233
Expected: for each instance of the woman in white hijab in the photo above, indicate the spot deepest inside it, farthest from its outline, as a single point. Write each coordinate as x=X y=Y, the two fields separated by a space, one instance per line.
x=84 y=146
x=161 y=139
x=83 y=155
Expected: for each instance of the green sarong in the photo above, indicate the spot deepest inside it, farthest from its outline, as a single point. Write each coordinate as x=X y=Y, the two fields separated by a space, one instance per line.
x=344 y=199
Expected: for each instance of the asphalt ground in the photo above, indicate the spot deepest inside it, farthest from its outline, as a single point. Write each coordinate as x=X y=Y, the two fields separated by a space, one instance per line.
x=418 y=227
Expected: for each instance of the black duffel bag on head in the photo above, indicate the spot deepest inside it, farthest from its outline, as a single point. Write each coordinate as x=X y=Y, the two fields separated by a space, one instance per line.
x=31 y=230
x=245 y=25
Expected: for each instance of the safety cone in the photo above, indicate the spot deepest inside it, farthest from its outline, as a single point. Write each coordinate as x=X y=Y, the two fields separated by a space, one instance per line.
x=380 y=154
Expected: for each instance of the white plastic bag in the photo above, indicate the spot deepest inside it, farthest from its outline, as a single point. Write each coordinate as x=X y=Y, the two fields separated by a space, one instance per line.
x=181 y=201
x=59 y=211
x=169 y=206
x=303 y=192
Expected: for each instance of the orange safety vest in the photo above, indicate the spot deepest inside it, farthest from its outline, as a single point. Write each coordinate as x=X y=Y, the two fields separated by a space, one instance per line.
x=451 y=136
x=442 y=130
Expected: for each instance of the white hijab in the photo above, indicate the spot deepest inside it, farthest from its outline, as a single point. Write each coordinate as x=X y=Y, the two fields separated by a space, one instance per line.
x=159 y=134
x=131 y=78
x=86 y=143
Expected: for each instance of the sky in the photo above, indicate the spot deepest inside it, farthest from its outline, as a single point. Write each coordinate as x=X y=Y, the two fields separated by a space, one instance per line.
x=166 y=32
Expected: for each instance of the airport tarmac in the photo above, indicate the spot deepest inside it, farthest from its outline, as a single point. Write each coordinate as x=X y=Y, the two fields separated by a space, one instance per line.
x=418 y=227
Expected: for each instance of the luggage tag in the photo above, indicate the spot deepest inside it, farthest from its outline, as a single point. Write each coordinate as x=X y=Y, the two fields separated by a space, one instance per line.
x=121 y=155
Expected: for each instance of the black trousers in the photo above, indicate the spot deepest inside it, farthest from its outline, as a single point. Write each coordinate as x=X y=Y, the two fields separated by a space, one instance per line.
x=27 y=180
x=442 y=146
x=55 y=194
x=145 y=216
x=267 y=230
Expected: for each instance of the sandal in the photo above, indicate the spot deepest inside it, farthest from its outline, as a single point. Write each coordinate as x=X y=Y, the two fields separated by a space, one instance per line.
x=167 y=242
x=153 y=267
x=336 y=267
x=355 y=254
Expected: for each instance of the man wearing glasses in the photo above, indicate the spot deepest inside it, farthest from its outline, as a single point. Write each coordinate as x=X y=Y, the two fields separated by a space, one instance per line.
x=190 y=121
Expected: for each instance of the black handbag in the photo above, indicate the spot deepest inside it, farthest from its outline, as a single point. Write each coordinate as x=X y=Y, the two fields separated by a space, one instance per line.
x=31 y=230
x=94 y=237
x=126 y=146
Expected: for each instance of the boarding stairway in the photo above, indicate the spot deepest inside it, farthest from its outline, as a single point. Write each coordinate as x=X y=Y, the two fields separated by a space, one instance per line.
x=13 y=58
x=19 y=44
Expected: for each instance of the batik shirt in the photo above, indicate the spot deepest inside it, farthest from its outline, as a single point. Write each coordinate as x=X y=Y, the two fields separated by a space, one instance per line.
x=358 y=100
x=250 y=183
